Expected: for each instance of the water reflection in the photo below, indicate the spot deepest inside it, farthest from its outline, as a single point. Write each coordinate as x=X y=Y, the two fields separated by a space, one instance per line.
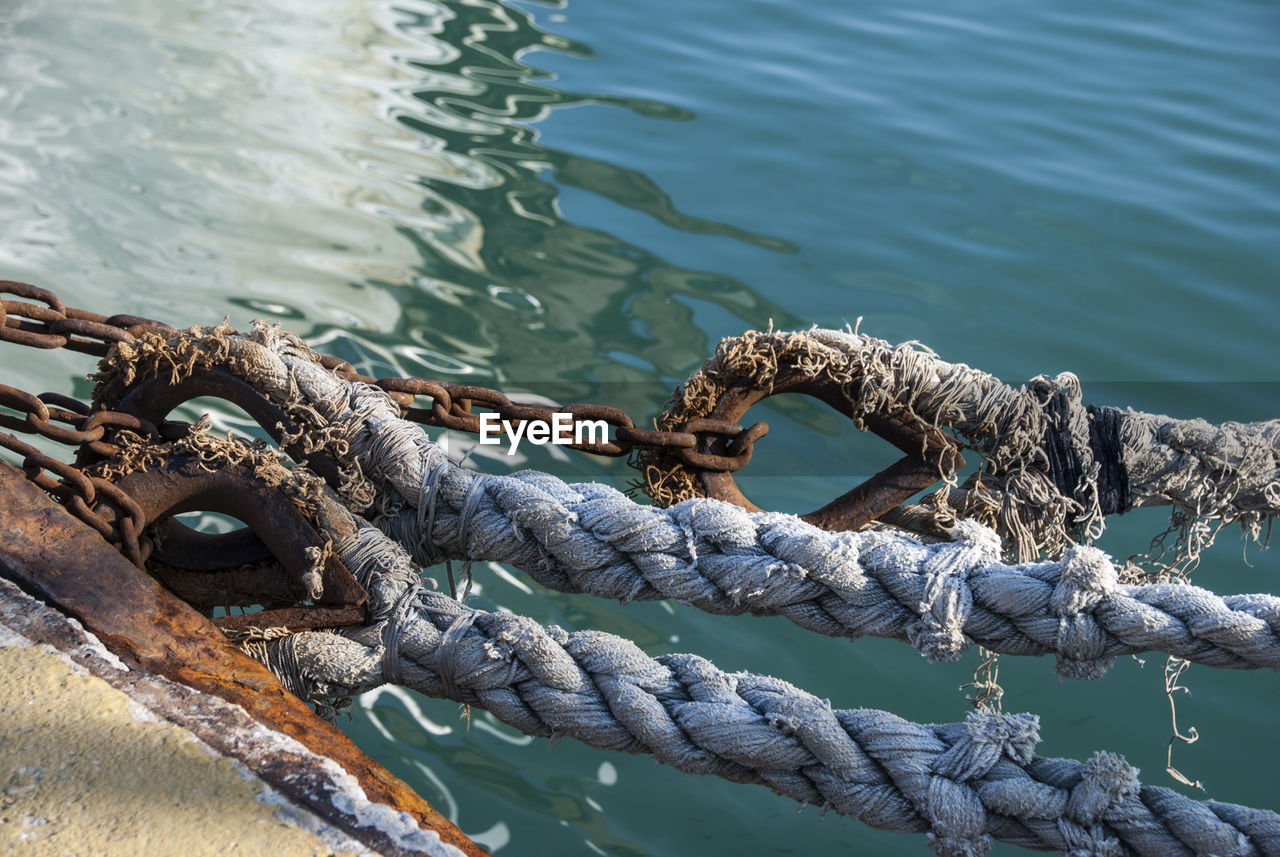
x=372 y=168
x=511 y=770
x=504 y=276
x=370 y=173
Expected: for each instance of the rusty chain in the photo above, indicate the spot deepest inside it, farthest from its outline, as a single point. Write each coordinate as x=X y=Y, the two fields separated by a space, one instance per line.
x=94 y=500
x=39 y=318
x=49 y=323
x=42 y=320
x=708 y=448
x=452 y=408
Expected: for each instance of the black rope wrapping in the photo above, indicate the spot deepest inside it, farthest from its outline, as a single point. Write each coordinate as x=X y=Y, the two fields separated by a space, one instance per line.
x=1065 y=465
x=1108 y=450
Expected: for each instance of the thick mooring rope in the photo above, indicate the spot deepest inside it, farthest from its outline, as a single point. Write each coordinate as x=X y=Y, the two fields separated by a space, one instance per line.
x=964 y=784
x=1054 y=467
x=717 y=557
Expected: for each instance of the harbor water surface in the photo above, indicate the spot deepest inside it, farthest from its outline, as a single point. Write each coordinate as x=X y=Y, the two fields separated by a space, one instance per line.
x=576 y=201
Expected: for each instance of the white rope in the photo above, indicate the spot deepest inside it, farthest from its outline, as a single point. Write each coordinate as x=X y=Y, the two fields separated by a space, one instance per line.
x=590 y=538
x=963 y=784
x=719 y=558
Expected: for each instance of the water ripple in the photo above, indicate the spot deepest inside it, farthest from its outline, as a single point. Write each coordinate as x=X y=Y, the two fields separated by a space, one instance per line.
x=575 y=202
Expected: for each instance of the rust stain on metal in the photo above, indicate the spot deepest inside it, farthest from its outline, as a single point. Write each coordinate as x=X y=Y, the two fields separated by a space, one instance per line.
x=294 y=618
x=57 y=558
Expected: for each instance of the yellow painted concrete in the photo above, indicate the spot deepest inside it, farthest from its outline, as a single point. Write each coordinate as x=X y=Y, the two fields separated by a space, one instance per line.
x=79 y=775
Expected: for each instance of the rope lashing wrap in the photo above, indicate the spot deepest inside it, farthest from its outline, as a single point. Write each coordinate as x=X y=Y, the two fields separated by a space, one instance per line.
x=963 y=784
x=1053 y=467
x=719 y=558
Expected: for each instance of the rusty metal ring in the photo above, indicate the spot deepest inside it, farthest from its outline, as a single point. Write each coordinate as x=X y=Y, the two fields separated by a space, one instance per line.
x=26 y=290
x=18 y=329
x=183 y=484
x=15 y=330
x=632 y=437
x=134 y=324
x=403 y=391
x=930 y=453
x=12 y=397
x=45 y=315
x=118 y=420
x=96 y=336
x=67 y=403
x=152 y=397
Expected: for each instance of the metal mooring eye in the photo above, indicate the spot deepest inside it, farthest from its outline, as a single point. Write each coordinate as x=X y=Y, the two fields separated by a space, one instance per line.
x=930 y=453
x=153 y=396
x=183 y=484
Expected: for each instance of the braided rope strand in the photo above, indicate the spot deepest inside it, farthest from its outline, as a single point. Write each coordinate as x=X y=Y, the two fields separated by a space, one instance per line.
x=590 y=538
x=963 y=784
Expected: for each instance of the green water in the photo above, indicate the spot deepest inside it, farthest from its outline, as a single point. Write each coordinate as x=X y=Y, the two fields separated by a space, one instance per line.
x=576 y=201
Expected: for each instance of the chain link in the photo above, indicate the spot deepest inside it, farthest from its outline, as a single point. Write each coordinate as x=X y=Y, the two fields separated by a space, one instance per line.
x=452 y=406
x=38 y=318
x=52 y=324
x=95 y=501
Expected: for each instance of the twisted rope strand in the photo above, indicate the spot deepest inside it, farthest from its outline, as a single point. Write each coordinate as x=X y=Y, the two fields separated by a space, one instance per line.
x=719 y=558
x=590 y=538
x=963 y=784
